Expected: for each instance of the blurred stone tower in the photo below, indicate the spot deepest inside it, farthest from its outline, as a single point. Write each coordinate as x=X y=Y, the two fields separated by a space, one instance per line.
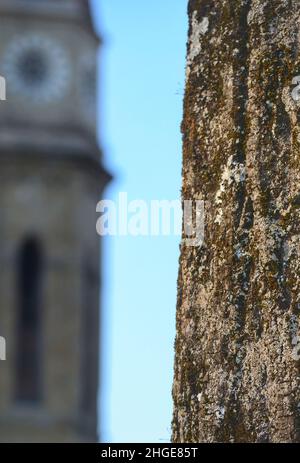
x=51 y=179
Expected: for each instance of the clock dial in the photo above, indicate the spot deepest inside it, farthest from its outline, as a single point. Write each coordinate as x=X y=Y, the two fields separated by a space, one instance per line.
x=37 y=67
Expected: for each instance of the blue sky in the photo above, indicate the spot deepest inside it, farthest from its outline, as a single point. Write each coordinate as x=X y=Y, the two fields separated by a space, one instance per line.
x=142 y=82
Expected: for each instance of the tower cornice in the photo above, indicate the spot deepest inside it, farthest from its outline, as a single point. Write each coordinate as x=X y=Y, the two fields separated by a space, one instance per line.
x=54 y=10
x=25 y=144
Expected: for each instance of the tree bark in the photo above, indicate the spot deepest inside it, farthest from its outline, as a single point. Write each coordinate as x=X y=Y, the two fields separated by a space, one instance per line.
x=236 y=361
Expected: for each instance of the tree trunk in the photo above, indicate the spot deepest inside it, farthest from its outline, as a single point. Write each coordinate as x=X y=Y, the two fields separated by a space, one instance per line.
x=237 y=364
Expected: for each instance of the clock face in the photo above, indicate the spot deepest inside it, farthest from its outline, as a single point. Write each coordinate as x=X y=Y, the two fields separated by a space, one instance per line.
x=37 y=68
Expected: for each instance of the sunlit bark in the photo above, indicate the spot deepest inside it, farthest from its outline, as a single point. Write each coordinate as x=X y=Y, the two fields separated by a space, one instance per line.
x=237 y=364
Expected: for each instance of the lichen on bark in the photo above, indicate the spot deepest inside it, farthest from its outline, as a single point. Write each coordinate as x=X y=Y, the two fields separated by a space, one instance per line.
x=236 y=374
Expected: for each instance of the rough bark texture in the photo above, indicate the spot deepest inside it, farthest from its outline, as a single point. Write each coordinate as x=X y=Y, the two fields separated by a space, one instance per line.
x=236 y=372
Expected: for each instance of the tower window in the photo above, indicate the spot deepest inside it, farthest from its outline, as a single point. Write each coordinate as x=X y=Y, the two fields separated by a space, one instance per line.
x=28 y=354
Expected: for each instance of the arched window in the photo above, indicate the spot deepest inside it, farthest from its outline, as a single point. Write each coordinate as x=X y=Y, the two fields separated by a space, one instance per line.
x=28 y=354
